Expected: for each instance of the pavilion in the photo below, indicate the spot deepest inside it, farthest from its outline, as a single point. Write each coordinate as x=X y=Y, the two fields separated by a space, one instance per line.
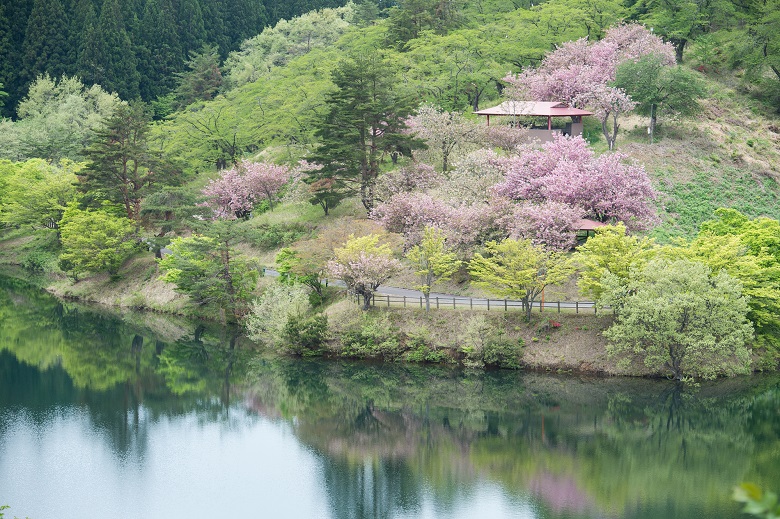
x=545 y=109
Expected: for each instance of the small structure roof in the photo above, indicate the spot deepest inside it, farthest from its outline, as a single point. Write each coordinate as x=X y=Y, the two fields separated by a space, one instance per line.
x=585 y=224
x=533 y=108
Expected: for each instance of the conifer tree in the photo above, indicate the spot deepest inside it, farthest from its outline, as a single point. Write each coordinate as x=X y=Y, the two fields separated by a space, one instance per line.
x=45 y=47
x=191 y=27
x=109 y=58
x=7 y=71
x=159 y=51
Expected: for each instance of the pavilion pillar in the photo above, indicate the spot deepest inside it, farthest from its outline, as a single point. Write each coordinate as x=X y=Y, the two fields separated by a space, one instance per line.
x=549 y=122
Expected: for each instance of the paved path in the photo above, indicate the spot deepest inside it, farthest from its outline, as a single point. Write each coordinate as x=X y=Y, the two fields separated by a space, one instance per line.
x=415 y=295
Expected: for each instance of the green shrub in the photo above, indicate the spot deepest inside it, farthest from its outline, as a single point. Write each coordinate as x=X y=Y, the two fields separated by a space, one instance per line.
x=39 y=261
x=503 y=353
x=419 y=350
x=272 y=236
x=306 y=335
x=372 y=337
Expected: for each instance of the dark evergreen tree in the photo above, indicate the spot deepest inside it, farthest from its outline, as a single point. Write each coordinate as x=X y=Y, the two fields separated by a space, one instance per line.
x=203 y=79
x=16 y=12
x=364 y=123
x=215 y=27
x=45 y=47
x=245 y=18
x=83 y=26
x=192 y=32
x=120 y=166
x=109 y=58
x=7 y=71
x=160 y=54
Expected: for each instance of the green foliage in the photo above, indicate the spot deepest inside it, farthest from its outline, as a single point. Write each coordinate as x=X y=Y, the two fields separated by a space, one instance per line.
x=364 y=122
x=518 y=269
x=611 y=250
x=269 y=315
x=37 y=192
x=121 y=167
x=56 y=119
x=420 y=349
x=433 y=260
x=758 y=503
x=211 y=271
x=270 y=236
x=202 y=80
x=483 y=344
x=372 y=337
x=659 y=90
x=94 y=241
x=680 y=320
x=306 y=335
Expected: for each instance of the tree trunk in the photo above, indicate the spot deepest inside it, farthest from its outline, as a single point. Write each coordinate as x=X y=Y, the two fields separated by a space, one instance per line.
x=653 y=119
x=367 y=300
x=679 y=47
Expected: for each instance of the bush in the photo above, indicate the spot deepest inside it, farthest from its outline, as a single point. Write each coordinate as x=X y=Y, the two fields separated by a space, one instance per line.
x=272 y=236
x=503 y=353
x=39 y=261
x=419 y=350
x=305 y=335
x=372 y=337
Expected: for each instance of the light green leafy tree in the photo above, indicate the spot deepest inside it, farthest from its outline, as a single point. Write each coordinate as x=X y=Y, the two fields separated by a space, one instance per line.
x=611 y=251
x=681 y=321
x=269 y=315
x=57 y=119
x=38 y=193
x=748 y=250
x=94 y=241
x=209 y=270
x=433 y=260
x=758 y=502
x=518 y=269
x=660 y=89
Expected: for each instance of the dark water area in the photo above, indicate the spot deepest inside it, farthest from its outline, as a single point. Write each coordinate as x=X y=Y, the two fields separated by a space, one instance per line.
x=148 y=416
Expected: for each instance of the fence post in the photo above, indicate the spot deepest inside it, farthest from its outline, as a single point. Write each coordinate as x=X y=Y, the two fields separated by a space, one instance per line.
x=420 y=301
x=373 y=299
x=437 y=302
x=404 y=301
x=453 y=302
x=471 y=303
x=595 y=310
x=505 y=304
x=388 y=300
x=488 y=301
x=559 y=307
x=576 y=307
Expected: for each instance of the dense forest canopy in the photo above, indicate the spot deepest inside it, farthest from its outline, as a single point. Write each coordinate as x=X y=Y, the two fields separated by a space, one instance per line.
x=131 y=47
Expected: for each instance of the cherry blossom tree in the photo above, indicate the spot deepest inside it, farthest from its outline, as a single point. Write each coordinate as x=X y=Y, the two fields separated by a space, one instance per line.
x=552 y=224
x=363 y=263
x=566 y=170
x=237 y=190
x=579 y=73
x=473 y=177
x=443 y=131
x=407 y=179
x=410 y=213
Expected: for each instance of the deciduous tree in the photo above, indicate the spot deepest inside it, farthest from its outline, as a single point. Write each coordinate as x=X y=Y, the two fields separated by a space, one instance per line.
x=682 y=321
x=363 y=263
x=518 y=269
x=433 y=260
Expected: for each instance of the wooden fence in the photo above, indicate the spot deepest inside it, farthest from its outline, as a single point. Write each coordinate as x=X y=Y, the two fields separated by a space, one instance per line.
x=472 y=303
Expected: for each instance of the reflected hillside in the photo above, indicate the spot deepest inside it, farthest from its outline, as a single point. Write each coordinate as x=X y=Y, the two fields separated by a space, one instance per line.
x=579 y=447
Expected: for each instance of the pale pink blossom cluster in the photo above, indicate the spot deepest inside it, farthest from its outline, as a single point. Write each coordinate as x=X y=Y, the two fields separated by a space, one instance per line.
x=237 y=190
x=417 y=176
x=607 y=188
x=364 y=273
x=550 y=223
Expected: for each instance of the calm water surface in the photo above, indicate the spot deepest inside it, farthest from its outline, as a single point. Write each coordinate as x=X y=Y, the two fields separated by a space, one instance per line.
x=152 y=417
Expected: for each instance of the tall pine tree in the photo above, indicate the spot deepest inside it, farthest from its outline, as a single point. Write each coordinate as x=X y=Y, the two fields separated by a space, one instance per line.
x=192 y=31
x=45 y=47
x=160 y=54
x=109 y=58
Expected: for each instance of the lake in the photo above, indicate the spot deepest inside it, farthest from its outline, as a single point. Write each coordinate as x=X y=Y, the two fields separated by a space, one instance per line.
x=150 y=416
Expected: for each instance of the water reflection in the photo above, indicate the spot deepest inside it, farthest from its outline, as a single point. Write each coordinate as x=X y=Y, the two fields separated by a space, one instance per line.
x=156 y=414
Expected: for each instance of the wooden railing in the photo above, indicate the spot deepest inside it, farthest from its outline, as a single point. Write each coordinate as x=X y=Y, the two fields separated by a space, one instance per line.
x=474 y=303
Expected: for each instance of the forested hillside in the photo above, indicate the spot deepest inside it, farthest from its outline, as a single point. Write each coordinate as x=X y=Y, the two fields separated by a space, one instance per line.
x=342 y=142
x=133 y=48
